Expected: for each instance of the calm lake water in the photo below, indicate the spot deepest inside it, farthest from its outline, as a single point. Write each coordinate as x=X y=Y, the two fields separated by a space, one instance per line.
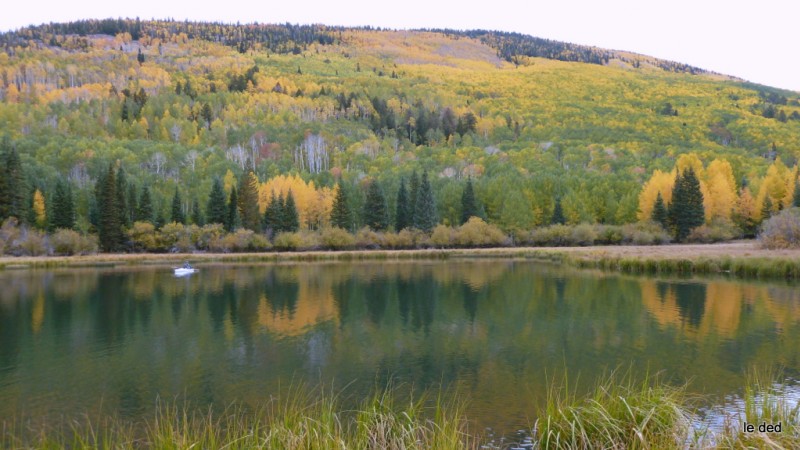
x=91 y=342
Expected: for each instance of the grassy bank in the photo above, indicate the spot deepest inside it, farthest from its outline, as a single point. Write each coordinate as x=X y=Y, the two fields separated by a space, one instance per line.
x=741 y=259
x=617 y=413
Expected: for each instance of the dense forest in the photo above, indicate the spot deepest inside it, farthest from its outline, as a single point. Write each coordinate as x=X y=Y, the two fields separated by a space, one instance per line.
x=113 y=126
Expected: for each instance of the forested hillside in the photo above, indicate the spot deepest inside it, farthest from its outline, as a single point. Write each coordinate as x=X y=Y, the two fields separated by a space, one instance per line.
x=543 y=131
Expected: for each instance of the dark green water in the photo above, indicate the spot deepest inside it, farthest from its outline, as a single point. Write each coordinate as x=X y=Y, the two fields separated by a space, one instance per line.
x=111 y=341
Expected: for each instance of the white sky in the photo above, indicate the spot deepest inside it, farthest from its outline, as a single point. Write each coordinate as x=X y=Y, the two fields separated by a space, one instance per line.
x=755 y=40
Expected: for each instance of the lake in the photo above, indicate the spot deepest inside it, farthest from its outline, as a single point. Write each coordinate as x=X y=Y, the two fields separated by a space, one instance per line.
x=112 y=341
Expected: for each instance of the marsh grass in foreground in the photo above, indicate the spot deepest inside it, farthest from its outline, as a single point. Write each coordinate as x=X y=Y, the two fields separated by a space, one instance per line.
x=301 y=419
x=620 y=412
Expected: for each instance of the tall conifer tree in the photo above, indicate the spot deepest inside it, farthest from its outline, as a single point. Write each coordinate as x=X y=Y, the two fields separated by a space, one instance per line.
x=659 y=214
x=291 y=220
x=273 y=215
x=232 y=220
x=197 y=213
x=402 y=217
x=144 y=211
x=110 y=228
x=340 y=214
x=216 y=209
x=376 y=214
x=413 y=195
x=469 y=204
x=686 y=211
x=177 y=214
x=13 y=190
x=425 y=214
x=248 y=202
x=558 y=213
x=63 y=211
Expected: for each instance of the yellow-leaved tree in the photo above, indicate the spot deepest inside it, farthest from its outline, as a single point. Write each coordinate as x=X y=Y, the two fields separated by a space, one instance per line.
x=660 y=182
x=39 y=209
x=778 y=184
x=721 y=189
x=313 y=204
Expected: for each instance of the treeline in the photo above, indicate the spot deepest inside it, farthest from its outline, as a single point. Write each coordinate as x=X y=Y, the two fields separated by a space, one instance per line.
x=279 y=38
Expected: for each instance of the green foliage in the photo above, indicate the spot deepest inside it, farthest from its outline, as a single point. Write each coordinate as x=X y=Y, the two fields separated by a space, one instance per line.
x=247 y=202
x=144 y=211
x=177 y=214
x=425 y=206
x=109 y=227
x=216 y=210
x=12 y=187
x=197 y=214
x=469 y=204
x=558 y=214
x=232 y=218
x=376 y=212
x=660 y=214
x=289 y=219
x=403 y=213
x=63 y=210
x=341 y=216
x=686 y=210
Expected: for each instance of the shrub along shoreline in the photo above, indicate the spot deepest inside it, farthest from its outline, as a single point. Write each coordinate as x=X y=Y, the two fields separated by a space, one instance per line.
x=586 y=246
x=741 y=259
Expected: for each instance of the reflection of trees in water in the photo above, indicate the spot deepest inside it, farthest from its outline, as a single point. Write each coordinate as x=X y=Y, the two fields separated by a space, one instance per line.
x=691 y=300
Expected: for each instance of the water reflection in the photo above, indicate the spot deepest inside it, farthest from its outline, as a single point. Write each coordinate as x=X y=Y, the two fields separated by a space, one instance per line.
x=73 y=341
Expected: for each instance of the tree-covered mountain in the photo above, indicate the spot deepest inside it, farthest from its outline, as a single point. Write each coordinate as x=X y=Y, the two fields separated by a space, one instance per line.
x=533 y=123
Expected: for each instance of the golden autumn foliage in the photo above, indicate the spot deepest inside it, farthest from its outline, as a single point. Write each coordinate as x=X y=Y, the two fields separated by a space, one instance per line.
x=39 y=209
x=718 y=185
x=313 y=204
x=660 y=182
x=720 y=194
x=778 y=183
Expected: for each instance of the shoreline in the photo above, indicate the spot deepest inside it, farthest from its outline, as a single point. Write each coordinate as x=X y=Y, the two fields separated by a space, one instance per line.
x=739 y=258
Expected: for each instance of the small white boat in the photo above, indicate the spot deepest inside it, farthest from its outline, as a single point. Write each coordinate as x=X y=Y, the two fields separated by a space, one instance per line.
x=183 y=271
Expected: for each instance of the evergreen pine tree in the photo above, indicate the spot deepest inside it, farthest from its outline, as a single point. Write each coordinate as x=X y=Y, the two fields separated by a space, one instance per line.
x=796 y=198
x=425 y=213
x=122 y=201
x=5 y=182
x=232 y=220
x=659 y=214
x=248 y=202
x=469 y=204
x=375 y=210
x=766 y=208
x=197 y=214
x=63 y=211
x=291 y=221
x=144 y=212
x=216 y=209
x=177 y=214
x=160 y=219
x=686 y=211
x=558 y=214
x=133 y=204
x=402 y=217
x=413 y=196
x=14 y=192
x=110 y=229
x=280 y=214
x=340 y=214
x=273 y=215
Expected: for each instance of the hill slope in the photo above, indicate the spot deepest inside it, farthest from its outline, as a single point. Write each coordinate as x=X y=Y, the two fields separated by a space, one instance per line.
x=178 y=103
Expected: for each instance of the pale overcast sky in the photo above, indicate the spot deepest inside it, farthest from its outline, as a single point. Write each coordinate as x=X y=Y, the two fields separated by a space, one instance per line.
x=754 y=40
